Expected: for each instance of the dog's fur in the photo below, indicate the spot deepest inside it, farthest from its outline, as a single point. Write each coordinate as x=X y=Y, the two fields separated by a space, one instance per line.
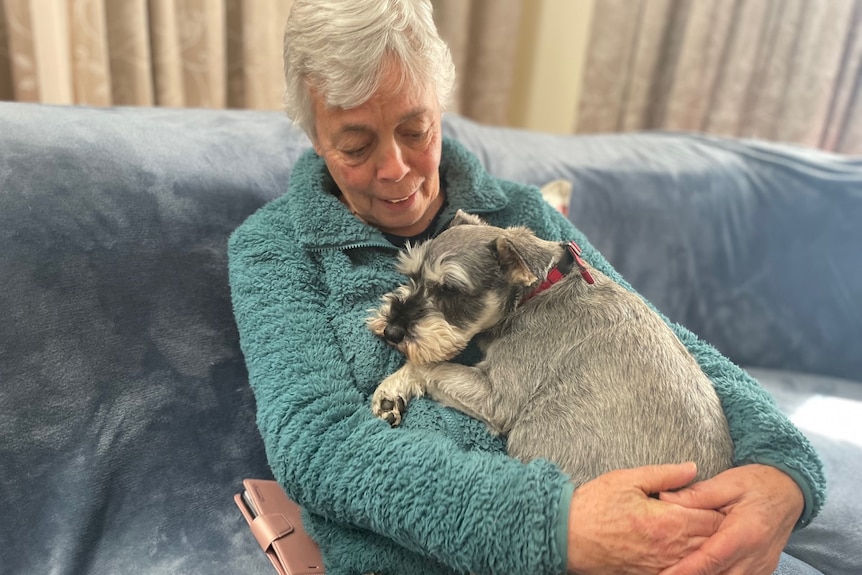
x=585 y=375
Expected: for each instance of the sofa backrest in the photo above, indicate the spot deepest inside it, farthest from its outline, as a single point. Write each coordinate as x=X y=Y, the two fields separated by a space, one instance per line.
x=753 y=246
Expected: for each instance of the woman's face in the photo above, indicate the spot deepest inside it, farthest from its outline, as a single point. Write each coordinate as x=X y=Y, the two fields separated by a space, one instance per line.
x=384 y=155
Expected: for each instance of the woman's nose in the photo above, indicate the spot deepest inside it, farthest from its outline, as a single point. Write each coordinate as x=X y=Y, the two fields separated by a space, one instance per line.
x=391 y=165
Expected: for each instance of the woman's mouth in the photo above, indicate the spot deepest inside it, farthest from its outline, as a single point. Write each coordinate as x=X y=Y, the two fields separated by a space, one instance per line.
x=397 y=201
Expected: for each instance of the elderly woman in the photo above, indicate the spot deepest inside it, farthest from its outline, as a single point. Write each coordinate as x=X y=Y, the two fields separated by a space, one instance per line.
x=368 y=80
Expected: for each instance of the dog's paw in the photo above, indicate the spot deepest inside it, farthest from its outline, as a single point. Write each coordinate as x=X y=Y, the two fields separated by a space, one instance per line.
x=389 y=407
x=390 y=399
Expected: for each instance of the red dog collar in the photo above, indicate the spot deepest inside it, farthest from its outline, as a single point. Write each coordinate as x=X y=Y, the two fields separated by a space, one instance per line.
x=572 y=257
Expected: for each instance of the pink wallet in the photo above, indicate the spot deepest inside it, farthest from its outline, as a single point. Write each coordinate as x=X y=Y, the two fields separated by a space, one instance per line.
x=276 y=524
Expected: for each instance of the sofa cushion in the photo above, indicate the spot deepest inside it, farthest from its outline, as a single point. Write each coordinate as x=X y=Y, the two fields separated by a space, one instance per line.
x=829 y=412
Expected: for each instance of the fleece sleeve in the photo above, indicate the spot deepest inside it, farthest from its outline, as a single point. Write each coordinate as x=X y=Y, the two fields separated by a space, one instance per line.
x=468 y=510
x=761 y=432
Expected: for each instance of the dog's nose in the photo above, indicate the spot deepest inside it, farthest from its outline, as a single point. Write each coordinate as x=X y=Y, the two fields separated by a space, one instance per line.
x=394 y=334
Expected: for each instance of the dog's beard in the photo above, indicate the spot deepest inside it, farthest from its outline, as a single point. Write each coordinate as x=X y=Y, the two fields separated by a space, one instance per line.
x=377 y=323
x=428 y=340
x=432 y=339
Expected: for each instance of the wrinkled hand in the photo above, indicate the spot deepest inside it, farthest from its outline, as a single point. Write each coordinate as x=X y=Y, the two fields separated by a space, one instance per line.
x=761 y=505
x=616 y=527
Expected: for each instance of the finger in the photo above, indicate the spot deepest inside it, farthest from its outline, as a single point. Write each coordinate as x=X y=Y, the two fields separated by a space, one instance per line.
x=659 y=478
x=686 y=547
x=697 y=563
x=714 y=557
x=700 y=562
x=710 y=494
x=701 y=522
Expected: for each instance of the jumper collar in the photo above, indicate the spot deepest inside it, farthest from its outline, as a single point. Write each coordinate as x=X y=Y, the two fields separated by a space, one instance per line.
x=571 y=257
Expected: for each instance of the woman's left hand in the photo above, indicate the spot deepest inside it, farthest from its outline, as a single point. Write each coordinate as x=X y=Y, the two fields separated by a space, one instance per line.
x=761 y=505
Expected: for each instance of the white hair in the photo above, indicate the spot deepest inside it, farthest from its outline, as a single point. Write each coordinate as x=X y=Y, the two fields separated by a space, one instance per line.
x=338 y=48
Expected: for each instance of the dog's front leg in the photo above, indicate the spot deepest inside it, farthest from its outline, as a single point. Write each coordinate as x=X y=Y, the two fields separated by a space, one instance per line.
x=390 y=399
x=467 y=389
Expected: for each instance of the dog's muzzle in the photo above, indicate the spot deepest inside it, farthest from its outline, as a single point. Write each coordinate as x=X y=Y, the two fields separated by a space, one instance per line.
x=394 y=334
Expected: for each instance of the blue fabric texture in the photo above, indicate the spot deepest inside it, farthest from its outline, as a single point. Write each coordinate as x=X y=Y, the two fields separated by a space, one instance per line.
x=126 y=425
x=304 y=273
x=126 y=420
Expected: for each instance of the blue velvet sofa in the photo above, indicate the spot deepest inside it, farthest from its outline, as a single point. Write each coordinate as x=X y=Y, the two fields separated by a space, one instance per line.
x=126 y=420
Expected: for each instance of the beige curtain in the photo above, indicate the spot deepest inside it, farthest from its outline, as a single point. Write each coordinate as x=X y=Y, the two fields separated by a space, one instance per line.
x=213 y=53
x=184 y=53
x=786 y=70
x=482 y=36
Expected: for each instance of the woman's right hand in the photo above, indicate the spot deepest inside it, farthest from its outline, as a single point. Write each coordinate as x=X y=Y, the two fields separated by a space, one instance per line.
x=615 y=526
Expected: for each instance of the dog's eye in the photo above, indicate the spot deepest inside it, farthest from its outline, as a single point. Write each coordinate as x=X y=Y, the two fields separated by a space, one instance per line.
x=446 y=290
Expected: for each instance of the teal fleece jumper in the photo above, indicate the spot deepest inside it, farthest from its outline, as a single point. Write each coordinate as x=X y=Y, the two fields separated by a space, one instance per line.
x=438 y=494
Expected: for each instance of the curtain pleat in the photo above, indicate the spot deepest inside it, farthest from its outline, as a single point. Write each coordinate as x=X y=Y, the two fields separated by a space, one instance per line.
x=696 y=49
x=452 y=18
x=820 y=42
x=22 y=55
x=844 y=126
x=166 y=53
x=491 y=60
x=90 y=56
x=129 y=50
x=202 y=52
x=254 y=53
x=623 y=63
x=644 y=54
x=481 y=34
x=7 y=92
x=738 y=69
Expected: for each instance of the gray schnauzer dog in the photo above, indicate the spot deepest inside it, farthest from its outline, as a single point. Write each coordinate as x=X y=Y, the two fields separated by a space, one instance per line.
x=577 y=369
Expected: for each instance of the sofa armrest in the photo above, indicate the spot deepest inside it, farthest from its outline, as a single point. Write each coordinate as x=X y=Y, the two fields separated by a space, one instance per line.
x=126 y=420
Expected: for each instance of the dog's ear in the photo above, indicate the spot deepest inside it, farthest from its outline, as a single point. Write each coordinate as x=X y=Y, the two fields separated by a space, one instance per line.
x=462 y=218
x=512 y=261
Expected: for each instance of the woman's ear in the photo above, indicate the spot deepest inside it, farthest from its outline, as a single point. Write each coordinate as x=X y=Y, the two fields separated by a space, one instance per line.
x=315 y=143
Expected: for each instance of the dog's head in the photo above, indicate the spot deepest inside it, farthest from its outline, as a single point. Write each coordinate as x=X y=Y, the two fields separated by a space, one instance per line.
x=461 y=283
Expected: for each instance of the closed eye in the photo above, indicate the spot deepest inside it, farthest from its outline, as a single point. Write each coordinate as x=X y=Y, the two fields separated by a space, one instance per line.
x=415 y=136
x=355 y=152
x=448 y=289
